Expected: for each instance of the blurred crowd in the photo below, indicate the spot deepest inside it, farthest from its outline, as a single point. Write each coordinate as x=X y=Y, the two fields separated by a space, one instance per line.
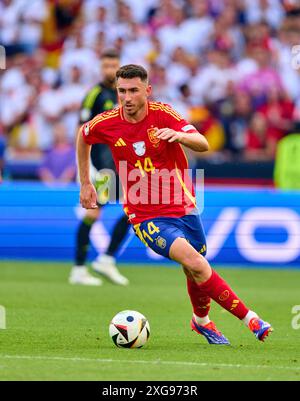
x=231 y=67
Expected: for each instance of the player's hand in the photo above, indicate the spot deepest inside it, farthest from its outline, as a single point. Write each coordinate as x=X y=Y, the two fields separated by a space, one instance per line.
x=168 y=134
x=88 y=196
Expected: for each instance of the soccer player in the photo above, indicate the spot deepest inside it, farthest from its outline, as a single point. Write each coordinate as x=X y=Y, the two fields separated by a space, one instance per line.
x=101 y=98
x=153 y=135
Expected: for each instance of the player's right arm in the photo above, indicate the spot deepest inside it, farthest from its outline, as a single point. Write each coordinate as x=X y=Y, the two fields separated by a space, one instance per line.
x=88 y=194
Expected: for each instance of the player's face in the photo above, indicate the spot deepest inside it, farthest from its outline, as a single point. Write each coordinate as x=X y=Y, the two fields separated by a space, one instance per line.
x=109 y=69
x=133 y=94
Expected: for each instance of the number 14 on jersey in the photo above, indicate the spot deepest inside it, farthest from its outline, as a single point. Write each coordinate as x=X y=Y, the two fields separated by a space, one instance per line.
x=146 y=167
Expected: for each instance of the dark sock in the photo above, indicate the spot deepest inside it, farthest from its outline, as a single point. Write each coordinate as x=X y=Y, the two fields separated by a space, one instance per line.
x=83 y=241
x=119 y=233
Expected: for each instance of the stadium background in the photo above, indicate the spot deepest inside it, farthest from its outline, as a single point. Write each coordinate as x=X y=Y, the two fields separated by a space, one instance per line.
x=228 y=66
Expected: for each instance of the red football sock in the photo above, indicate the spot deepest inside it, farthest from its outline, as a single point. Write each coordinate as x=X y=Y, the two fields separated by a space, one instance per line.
x=220 y=292
x=199 y=299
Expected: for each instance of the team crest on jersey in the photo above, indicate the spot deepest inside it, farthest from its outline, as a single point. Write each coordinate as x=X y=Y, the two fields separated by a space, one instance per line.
x=161 y=242
x=139 y=148
x=151 y=134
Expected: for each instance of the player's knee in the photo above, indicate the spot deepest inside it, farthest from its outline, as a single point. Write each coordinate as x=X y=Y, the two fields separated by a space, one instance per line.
x=195 y=265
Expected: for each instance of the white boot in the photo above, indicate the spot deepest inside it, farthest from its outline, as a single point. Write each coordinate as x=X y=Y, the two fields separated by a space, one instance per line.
x=80 y=275
x=106 y=265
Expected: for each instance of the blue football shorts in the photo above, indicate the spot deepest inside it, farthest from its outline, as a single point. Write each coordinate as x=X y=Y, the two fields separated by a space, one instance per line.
x=160 y=233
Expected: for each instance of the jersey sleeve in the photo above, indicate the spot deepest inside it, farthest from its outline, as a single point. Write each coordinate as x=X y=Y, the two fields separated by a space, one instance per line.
x=173 y=120
x=94 y=131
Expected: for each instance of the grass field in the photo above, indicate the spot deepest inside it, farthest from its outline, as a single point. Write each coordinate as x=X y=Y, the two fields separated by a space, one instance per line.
x=60 y=332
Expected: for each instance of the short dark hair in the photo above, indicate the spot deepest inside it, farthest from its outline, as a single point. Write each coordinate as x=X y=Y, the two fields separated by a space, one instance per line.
x=130 y=71
x=110 y=53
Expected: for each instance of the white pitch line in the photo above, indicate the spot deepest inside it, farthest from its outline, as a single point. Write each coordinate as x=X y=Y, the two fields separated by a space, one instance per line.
x=157 y=362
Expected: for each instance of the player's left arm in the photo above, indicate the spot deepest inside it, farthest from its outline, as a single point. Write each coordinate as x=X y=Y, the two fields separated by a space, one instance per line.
x=192 y=140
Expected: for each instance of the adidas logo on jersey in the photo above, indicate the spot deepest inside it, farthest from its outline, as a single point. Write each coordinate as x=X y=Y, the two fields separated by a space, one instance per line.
x=120 y=142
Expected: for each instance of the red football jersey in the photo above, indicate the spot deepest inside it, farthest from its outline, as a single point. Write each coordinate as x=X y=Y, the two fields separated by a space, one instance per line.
x=153 y=172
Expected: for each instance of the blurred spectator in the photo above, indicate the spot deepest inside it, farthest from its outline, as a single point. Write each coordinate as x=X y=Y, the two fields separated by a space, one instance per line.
x=59 y=163
x=184 y=101
x=138 y=45
x=235 y=114
x=205 y=122
x=278 y=112
x=260 y=82
x=171 y=35
x=72 y=94
x=161 y=89
x=142 y=9
x=75 y=54
x=261 y=140
x=210 y=85
x=287 y=59
x=21 y=24
x=178 y=72
x=227 y=33
x=196 y=31
x=270 y=11
x=25 y=139
x=161 y=15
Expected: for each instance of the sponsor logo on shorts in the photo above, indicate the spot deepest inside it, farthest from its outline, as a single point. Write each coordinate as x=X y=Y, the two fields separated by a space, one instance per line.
x=161 y=242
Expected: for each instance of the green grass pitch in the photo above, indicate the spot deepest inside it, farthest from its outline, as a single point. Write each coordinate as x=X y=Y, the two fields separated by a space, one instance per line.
x=56 y=331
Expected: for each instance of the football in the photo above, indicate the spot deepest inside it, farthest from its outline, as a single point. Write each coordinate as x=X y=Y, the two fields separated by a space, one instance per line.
x=129 y=329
